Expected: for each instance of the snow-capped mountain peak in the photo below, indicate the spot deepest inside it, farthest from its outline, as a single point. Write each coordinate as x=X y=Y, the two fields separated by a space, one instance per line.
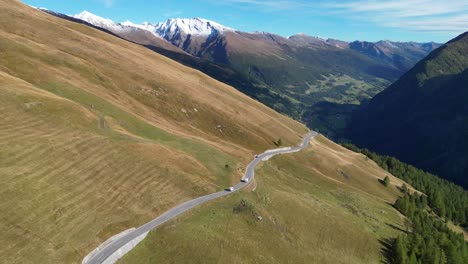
x=190 y=26
x=94 y=20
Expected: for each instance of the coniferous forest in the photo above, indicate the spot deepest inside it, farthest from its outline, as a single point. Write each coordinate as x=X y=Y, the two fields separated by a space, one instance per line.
x=428 y=239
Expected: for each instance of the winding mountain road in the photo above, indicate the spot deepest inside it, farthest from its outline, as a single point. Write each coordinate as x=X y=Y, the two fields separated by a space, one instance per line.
x=103 y=253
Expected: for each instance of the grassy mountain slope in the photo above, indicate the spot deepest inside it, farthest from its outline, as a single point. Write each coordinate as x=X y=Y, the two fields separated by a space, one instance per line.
x=232 y=77
x=134 y=79
x=323 y=205
x=70 y=180
x=422 y=118
x=99 y=135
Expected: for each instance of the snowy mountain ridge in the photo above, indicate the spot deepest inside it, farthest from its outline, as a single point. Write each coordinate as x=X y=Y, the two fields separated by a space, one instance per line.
x=190 y=26
x=166 y=30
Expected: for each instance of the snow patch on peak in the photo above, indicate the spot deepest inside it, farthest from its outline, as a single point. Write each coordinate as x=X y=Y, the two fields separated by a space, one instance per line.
x=388 y=43
x=129 y=23
x=145 y=26
x=150 y=27
x=304 y=35
x=261 y=32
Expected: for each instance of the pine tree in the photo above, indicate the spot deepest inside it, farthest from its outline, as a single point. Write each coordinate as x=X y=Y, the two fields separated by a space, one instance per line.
x=404 y=188
x=453 y=256
x=399 y=204
x=436 y=256
x=279 y=142
x=399 y=248
x=386 y=181
x=412 y=258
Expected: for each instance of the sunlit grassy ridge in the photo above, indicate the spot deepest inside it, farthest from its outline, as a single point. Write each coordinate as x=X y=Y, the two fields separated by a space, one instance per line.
x=214 y=159
x=99 y=135
x=69 y=181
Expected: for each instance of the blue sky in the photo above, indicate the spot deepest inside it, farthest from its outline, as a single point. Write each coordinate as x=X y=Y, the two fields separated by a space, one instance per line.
x=372 y=20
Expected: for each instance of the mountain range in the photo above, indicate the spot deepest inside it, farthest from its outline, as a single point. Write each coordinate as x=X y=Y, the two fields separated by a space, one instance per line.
x=202 y=38
x=299 y=75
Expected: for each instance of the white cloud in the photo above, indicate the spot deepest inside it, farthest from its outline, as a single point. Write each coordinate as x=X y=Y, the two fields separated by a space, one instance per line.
x=404 y=8
x=107 y=3
x=455 y=24
x=172 y=14
x=414 y=15
x=270 y=5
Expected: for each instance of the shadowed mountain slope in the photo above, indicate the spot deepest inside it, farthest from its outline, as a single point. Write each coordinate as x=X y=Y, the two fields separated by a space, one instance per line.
x=422 y=118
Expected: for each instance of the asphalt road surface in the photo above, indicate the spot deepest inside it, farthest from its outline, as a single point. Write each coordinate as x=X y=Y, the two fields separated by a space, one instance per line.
x=101 y=255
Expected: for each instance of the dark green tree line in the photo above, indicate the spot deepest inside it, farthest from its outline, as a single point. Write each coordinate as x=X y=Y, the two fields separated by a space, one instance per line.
x=448 y=200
